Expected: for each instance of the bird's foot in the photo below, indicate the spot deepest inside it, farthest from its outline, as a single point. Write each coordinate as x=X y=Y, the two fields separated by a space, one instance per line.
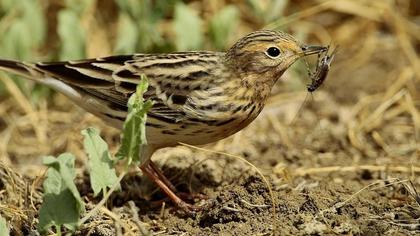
x=151 y=170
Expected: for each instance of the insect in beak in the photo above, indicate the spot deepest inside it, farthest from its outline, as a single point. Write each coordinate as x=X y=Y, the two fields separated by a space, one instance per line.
x=312 y=49
x=322 y=69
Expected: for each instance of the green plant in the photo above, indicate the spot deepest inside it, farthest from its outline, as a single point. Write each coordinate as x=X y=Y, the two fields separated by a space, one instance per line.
x=70 y=31
x=101 y=171
x=62 y=204
x=4 y=230
x=134 y=129
x=22 y=29
x=188 y=28
x=222 y=26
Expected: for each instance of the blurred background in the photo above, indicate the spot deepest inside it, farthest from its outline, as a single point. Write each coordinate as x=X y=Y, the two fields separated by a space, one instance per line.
x=363 y=124
x=377 y=58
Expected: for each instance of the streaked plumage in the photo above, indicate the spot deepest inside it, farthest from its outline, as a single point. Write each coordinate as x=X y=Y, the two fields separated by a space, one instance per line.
x=200 y=97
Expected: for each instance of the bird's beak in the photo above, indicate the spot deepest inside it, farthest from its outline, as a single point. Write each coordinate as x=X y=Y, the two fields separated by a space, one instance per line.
x=311 y=49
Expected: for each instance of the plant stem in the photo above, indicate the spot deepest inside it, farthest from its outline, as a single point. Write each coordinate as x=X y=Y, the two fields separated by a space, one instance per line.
x=104 y=199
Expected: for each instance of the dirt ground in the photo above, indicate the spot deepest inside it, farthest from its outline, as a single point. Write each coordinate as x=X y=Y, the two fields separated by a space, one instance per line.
x=344 y=160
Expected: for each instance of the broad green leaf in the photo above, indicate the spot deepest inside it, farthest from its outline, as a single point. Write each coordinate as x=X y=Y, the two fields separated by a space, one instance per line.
x=71 y=34
x=4 y=230
x=101 y=171
x=223 y=24
x=188 y=28
x=134 y=129
x=127 y=36
x=62 y=204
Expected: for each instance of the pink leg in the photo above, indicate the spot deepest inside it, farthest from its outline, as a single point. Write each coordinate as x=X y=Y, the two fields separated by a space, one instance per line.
x=149 y=169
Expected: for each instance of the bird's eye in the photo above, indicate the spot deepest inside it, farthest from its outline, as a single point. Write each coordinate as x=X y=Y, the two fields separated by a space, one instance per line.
x=273 y=52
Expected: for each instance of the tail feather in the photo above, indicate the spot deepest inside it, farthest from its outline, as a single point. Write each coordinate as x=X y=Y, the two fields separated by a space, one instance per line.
x=31 y=72
x=91 y=93
x=20 y=68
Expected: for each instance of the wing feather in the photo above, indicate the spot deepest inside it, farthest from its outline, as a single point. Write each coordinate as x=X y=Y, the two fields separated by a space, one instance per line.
x=111 y=80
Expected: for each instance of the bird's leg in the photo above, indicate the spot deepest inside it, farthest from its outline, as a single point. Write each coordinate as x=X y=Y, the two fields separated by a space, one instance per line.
x=146 y=154
x=161 y=181
x=162 y=176
x=155 y=174
x=165 y=180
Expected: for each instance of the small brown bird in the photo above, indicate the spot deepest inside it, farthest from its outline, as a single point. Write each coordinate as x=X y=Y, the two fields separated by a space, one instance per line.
x=199 y=97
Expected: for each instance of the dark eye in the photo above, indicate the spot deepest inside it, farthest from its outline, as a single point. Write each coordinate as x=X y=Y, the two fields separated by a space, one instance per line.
x=273 y=52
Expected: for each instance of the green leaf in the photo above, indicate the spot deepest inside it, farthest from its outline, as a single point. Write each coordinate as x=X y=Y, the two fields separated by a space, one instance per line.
x=276 y=10
x=39 y=92
x=145 y=16
x=147 y=21
x=7 y=5
x=102 y=173
x=127 y=36
x=34 y=20
x=134 y=8
x=62 y=204
x=188 y=28
x=71 y=34
x=134 y=129
x=16 y=42
x=78 y=6
x=24 y=30
x=22 y=33
x=4 y=230
x=268 y=11
x=223 y=24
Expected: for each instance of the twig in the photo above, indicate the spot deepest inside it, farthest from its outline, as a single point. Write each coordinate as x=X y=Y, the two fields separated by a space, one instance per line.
x=254 y=205
x=137 y=221
x=228 y=208
x=105 y=199
x=26 y=107
x=117 y=219
x=162 y=211
x=320 y=170
x=371 y=122
x=343 y=203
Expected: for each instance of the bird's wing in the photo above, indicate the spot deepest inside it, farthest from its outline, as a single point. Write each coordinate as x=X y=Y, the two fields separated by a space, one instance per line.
x=111 y=80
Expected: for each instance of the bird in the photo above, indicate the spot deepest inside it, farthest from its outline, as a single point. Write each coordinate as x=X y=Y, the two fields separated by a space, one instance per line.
x=199 y=97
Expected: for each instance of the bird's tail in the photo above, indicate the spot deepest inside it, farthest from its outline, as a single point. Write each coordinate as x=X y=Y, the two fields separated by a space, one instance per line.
x=70 y=82
x=24 y=69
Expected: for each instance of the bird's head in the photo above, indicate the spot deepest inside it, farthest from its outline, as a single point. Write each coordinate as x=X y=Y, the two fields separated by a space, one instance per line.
x=263 y=56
